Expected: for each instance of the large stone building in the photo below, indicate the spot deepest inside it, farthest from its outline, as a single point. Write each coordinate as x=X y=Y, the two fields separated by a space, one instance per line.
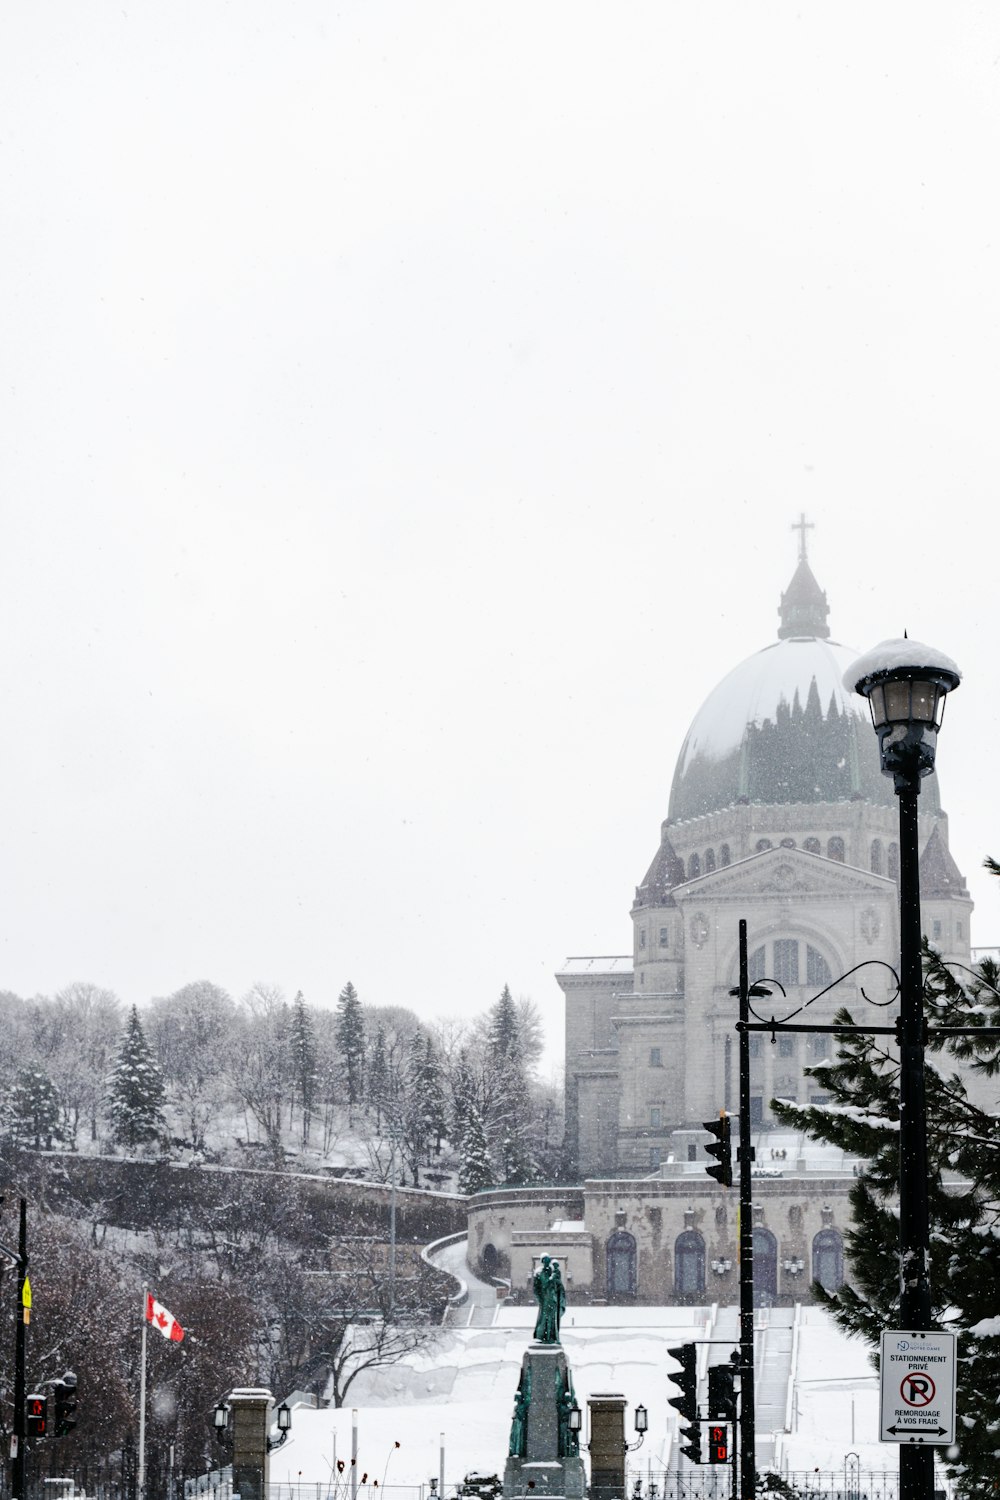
x=779 y=814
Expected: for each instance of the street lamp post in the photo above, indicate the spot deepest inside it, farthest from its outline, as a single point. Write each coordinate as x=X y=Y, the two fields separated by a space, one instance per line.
x=906 y=684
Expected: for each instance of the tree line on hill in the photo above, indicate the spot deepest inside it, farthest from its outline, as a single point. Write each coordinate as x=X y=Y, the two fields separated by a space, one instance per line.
x=445 y=1103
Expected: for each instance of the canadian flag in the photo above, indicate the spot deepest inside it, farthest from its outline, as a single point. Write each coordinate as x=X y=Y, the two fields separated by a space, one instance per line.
x=160 y=1318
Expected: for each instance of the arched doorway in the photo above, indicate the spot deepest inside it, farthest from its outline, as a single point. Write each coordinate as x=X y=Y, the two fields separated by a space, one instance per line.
x=620 y=1257
x=689 y=1263
x=490 y=1260
x=828 y=1259
x=765 y=1268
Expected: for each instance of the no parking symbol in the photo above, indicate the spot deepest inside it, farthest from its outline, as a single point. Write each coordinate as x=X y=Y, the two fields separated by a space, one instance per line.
x=918 y=1388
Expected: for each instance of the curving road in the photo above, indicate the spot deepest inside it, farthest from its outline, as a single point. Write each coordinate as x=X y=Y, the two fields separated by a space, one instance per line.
x=479 y=1311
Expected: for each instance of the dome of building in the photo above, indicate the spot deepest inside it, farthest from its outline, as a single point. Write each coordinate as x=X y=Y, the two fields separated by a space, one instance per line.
x=782 y=728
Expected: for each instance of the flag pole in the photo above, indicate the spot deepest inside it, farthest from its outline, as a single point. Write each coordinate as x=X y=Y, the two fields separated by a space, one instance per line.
x=141 y=1488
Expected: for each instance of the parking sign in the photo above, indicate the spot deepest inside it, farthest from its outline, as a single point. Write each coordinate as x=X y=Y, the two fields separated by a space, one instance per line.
x=918 y=1388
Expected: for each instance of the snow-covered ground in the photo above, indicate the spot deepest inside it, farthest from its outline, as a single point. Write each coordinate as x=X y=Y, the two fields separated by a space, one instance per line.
x=458 y=1393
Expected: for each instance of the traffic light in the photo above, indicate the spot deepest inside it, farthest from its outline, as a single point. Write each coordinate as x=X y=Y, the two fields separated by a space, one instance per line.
x=65 y=1413
x=721 y=1392
x=686 y=1403
x=36 y=1408
x=721 y=1148
x=718 y=1444
x=691 y=1448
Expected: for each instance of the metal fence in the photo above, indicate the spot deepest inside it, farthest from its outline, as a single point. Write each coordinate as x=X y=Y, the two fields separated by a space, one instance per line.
x=708 y=1484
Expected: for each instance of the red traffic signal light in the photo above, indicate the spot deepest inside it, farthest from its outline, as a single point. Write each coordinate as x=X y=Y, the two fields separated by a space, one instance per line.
x=718 y=1444
x=36 y=1411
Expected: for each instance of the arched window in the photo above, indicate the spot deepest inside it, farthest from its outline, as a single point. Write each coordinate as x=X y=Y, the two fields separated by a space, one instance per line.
x=709 y=861
x=763 y=844
x=724 y=856
x=694 y=866
x=765 y=1268
x=835 y=849
x=876 y=856
x=828 y=1259
x=786 y=960
x=812 y=844
x=817 y=968
x=892 y=864
x=620 y=1256
x=689 y=1262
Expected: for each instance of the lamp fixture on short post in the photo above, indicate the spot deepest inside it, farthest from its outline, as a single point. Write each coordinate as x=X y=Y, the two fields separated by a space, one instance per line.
x=641 y=1421
x=284 y=1416
x=906 y=684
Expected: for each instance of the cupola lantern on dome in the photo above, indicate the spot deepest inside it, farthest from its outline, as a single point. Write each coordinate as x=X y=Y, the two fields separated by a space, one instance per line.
x=803 y=609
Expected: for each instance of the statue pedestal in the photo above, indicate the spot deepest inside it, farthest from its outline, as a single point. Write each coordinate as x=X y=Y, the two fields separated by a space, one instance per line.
x=545 y=1371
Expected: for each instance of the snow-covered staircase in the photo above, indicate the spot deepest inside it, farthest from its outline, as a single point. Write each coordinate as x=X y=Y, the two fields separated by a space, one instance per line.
x=773 y=1328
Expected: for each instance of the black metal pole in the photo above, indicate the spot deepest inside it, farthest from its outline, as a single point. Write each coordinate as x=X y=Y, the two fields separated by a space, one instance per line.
x=17 y=1463
x=748 y=1465
x=916 y=1460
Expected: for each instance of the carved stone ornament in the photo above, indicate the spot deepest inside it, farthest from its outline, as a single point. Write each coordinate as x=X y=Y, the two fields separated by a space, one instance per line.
x=870 y=924
x=699 y=929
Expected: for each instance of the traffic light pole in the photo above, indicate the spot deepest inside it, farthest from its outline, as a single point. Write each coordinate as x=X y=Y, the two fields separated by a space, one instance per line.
x=748 y=1463
x=17 y=1463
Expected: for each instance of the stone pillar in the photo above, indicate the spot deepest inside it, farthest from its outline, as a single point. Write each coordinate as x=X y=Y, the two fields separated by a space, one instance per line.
x=251 y=1417
x=544 y=1471
x=607 y=1446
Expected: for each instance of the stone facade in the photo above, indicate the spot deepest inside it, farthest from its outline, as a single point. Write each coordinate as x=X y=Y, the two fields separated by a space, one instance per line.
x=779 y=815
x=673 y=1239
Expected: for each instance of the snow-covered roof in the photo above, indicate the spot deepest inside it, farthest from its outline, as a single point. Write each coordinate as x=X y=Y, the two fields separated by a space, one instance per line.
x=602 y=964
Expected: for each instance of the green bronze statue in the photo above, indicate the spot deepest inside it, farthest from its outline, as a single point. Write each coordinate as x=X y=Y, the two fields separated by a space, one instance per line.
x=569 y=1441
x=551 y=1294
x=519 y=1426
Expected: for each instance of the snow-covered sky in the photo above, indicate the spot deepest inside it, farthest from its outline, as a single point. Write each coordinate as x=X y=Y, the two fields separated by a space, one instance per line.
x=403 y=413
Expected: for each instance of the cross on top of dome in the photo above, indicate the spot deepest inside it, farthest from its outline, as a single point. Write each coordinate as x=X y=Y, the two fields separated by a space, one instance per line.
x=803 y=609
x=802 y=526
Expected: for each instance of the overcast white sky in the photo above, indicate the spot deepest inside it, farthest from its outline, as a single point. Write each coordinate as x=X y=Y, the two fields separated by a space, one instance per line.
x=403 y=410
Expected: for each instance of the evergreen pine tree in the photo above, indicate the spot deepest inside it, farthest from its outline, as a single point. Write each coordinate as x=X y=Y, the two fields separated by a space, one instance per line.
x=302 y=1058
x=504 y=1032
x=463 y=1095
x=435 y=1112
x=35 y=1109
x=134 y=1103
x=378 y=1076
x=510 y=1124
x=475 y=1173
x=963 y=1151
x=350 y=1032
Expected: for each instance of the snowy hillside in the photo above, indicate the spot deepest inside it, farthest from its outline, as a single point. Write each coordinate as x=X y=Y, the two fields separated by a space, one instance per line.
x=459 y=1394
